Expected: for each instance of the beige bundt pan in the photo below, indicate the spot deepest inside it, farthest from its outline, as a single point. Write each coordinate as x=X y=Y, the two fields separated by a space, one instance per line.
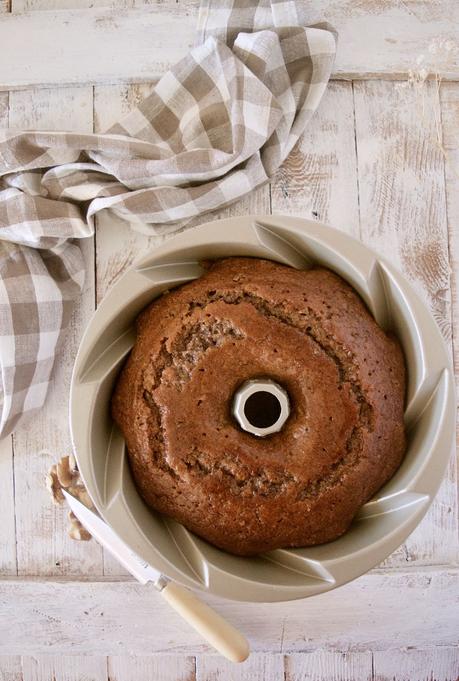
x=382 y=524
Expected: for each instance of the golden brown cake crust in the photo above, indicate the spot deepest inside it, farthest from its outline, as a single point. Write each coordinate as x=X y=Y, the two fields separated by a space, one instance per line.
x=310 y=332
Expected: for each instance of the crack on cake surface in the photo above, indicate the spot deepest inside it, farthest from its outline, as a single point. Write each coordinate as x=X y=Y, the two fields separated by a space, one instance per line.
x=199 y=338
x=189 y=346
x=254 y=482
x=193 y=341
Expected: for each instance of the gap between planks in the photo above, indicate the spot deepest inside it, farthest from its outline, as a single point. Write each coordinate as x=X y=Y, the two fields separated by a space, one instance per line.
x=434 y=664
x=383 y=41
x=375 y=612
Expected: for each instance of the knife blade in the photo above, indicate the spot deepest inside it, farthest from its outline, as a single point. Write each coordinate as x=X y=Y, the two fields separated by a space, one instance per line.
x=104 y=534
x=225 y=638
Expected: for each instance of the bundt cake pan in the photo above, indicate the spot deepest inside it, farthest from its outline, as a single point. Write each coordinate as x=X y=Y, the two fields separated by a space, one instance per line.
x=382 y=524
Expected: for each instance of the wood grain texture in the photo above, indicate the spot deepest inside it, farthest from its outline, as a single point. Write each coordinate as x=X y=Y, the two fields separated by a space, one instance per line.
x=7 y=525
x=141 y=36
x=151 y=668
x=378 y=40
x=10 y=668
x=450 y=127
x=4 y=104
x=319 y=178
x=449 y=94
x=375 y=612
x=8 y=564
x=402 y=189
x=322 y=665
x=433 y=664
x=64 y=668
x=403 y=216
x=43 y=544
x=18 y=6
x=255 y=668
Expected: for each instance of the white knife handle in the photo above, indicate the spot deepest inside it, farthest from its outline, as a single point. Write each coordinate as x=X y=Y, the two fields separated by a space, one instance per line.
x=217 y=631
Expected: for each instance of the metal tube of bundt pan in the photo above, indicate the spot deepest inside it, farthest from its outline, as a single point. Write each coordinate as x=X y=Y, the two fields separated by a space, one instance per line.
x=261 y=406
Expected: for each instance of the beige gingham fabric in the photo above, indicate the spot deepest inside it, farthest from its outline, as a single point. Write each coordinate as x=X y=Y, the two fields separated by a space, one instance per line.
x=217 y=126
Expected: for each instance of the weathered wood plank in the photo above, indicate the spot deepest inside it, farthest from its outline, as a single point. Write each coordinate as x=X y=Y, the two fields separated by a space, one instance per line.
x=403 y=216
x=64 y=668
x=322 y=665
x=10 y=668
x=43 y=544
x=383 y=41
x=449 y=95
x=401 y=183
x=319 y=178
x=19 y=6
x=433 y=664
x=450 y=124
x=256 y=668
x=7 y=526
x=408 y=608
x=142 y=37
x=4 y=102
x=151 y=668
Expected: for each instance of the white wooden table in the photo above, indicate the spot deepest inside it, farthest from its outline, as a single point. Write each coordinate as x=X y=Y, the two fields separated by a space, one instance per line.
x=380 y=160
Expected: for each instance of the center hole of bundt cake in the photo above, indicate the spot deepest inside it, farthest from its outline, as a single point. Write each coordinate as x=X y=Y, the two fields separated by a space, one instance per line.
x=261 y=406
x=262 y=409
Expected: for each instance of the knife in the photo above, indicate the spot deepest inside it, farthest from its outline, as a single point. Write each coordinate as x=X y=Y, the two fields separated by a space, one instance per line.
x=219 y=633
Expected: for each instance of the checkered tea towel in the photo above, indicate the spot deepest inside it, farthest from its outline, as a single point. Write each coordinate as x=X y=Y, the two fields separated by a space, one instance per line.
x=216 y=126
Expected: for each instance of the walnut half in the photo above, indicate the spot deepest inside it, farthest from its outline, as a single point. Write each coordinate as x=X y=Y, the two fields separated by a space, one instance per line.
x=76 y=529
x=65 y=475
